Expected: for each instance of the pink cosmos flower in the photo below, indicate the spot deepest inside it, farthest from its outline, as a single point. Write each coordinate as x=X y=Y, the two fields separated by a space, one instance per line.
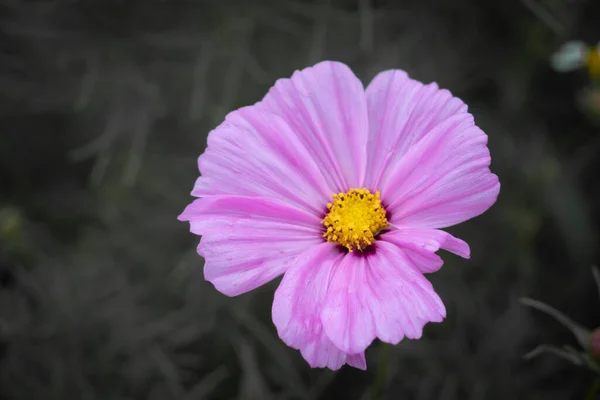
x=343 y=191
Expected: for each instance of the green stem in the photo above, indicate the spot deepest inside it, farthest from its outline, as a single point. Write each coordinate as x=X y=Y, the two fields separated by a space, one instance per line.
x=381 y=377
x=591 y=395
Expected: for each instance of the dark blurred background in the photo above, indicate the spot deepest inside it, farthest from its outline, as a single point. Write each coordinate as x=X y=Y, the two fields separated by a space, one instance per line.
x=105 y=106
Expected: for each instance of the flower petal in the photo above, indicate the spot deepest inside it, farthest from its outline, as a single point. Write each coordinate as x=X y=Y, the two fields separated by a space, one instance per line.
x=420 y=246
x=326 y=106
x=443 y=179
x=357 y=361
x=249 y=241
x=427 y=240
x=401 y=112
x=378 y=294
x=426 y=155
x=256 y=153
x=297 y=305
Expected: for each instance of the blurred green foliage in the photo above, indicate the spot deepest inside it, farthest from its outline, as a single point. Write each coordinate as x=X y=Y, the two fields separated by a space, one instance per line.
x=104 y=107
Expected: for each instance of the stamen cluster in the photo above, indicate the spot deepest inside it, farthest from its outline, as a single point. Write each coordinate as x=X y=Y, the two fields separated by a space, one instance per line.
x=354 y=218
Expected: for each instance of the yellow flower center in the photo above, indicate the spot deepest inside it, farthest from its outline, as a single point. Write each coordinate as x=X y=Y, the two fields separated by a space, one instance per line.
x=593 y=62
x=354 y=219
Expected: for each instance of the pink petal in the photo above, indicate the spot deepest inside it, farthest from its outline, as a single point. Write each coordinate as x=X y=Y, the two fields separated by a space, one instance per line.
x=379 y=294
x=298 y=302
x=426 y=155
x=249 y=241
x=442 y=180
x=401 y=112
x=427 y=240
x=256 y=153
x=326 y=106
x=357 y=361
x=420 y=246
